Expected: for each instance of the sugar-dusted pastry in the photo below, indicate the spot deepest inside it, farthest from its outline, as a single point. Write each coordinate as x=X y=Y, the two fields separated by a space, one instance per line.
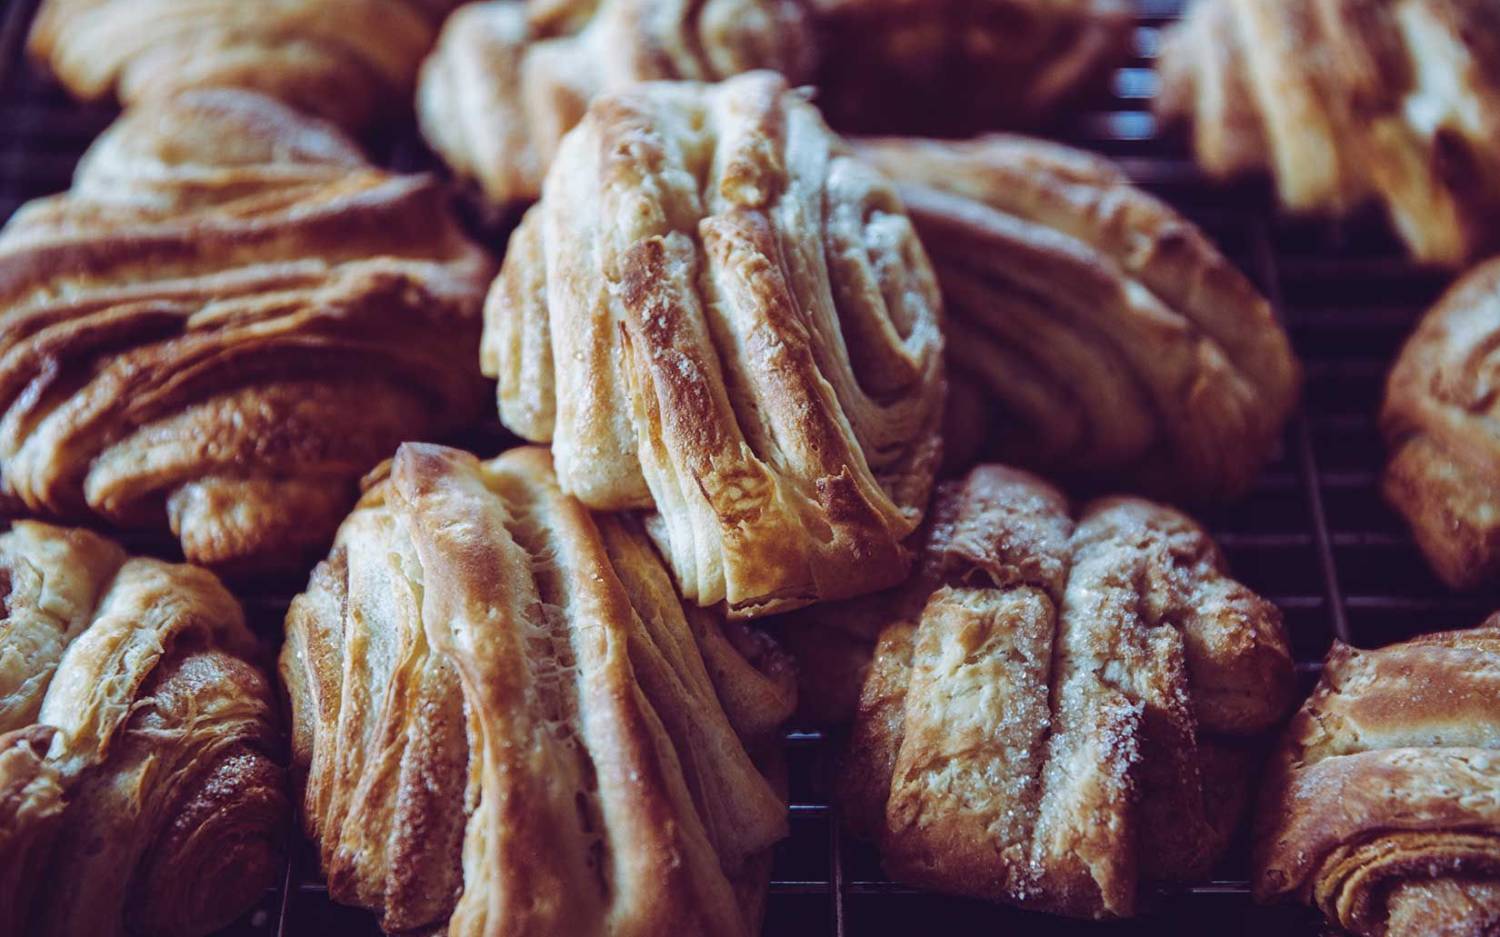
x=718 y=316
x=507 y=79
x=1382 y=806
x=956 y=66
x=1346 y=102
x=1093 y=333
x=351 y=61
x=1439 y=422
x=141 y=790
x=505 y=720
x=1055 y=711
x=228 y=319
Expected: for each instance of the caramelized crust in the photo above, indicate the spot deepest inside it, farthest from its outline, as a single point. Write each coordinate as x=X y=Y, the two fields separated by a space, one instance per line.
x=953 y=67
x=1052 y=712
x=1094 y=334
x=1382 y=807
x=508 y=79
x=145 y=795
x=744 y=341
x=1350 y=101
x=1439 y=423
x=351 y=61
x=504 y=720
x=228 y=319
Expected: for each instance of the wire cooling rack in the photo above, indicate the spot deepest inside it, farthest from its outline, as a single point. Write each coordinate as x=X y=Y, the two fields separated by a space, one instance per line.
x=1315 y=536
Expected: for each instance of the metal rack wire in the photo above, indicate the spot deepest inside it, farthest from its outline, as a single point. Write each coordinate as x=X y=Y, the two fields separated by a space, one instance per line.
x=1315 y=536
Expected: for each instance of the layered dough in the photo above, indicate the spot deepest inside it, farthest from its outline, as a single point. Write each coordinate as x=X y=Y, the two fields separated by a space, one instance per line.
x=1093 y=333
x=718 y=316
x=1051 y=712
x=140 y=790
x=1439 y=421
x=228 y=319
x=508 y=78
x=952 y=67
x=505 y=720
x=1382 y=806
x=351 y=61
x=1345 y=102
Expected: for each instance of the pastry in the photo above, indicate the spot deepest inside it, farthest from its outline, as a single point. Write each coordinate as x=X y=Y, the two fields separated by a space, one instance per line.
x=505 y=721
x=1053 y=713
x=953 y=67
x=1345 y=102
x=1439 y=422
x=718 y=316
x=351 y=61
x=507 y=79
x=1382 y=806
x=140 y=787
x=228 y=319
x=1094 y=334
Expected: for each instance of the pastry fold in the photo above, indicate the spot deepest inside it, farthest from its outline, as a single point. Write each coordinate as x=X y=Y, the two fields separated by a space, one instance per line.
x=505 y=721
x=1051 y=712
x=1382 y=806
x=954 y=67
x=1345 y=102
x=228 y=319
x=1094 y=334
x=507 y=79
x=350 y=61
x=140 y=786
x=1438 y=420
x=719 y=316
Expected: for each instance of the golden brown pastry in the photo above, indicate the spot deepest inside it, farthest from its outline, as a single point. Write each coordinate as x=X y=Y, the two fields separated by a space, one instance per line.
x=144 y=795
x=1382 y=806
x=505 y=720
x=351 y=61
x=1350 y=101
x=952 y=67
x=1054 y=711
x=1093 y=333
x=1439 y=421
x=228 y=319
x=718 y=315
x=508 y=78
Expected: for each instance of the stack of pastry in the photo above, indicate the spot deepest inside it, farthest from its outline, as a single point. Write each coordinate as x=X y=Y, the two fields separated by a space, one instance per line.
x=228 y=319
x=718 y=315
x=1051 y=711
x=1382 y=806
x=1093 y=333
x=527 y=694
x=1439 y=420
x=505 y=719
x=141 y=789
x=1350 y=101
x=352 y=61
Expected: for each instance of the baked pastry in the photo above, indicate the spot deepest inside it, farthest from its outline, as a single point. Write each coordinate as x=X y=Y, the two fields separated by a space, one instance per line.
x=1439 y=424
x=1382 y=806
x=1094 y=334
x=350 y=61
x=716 y=314
x=1345 y=102
x=1054 y=712
x=145 y=795
x=228 y=319
x=507 y=79
x=505 y=721
x=954 y=67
